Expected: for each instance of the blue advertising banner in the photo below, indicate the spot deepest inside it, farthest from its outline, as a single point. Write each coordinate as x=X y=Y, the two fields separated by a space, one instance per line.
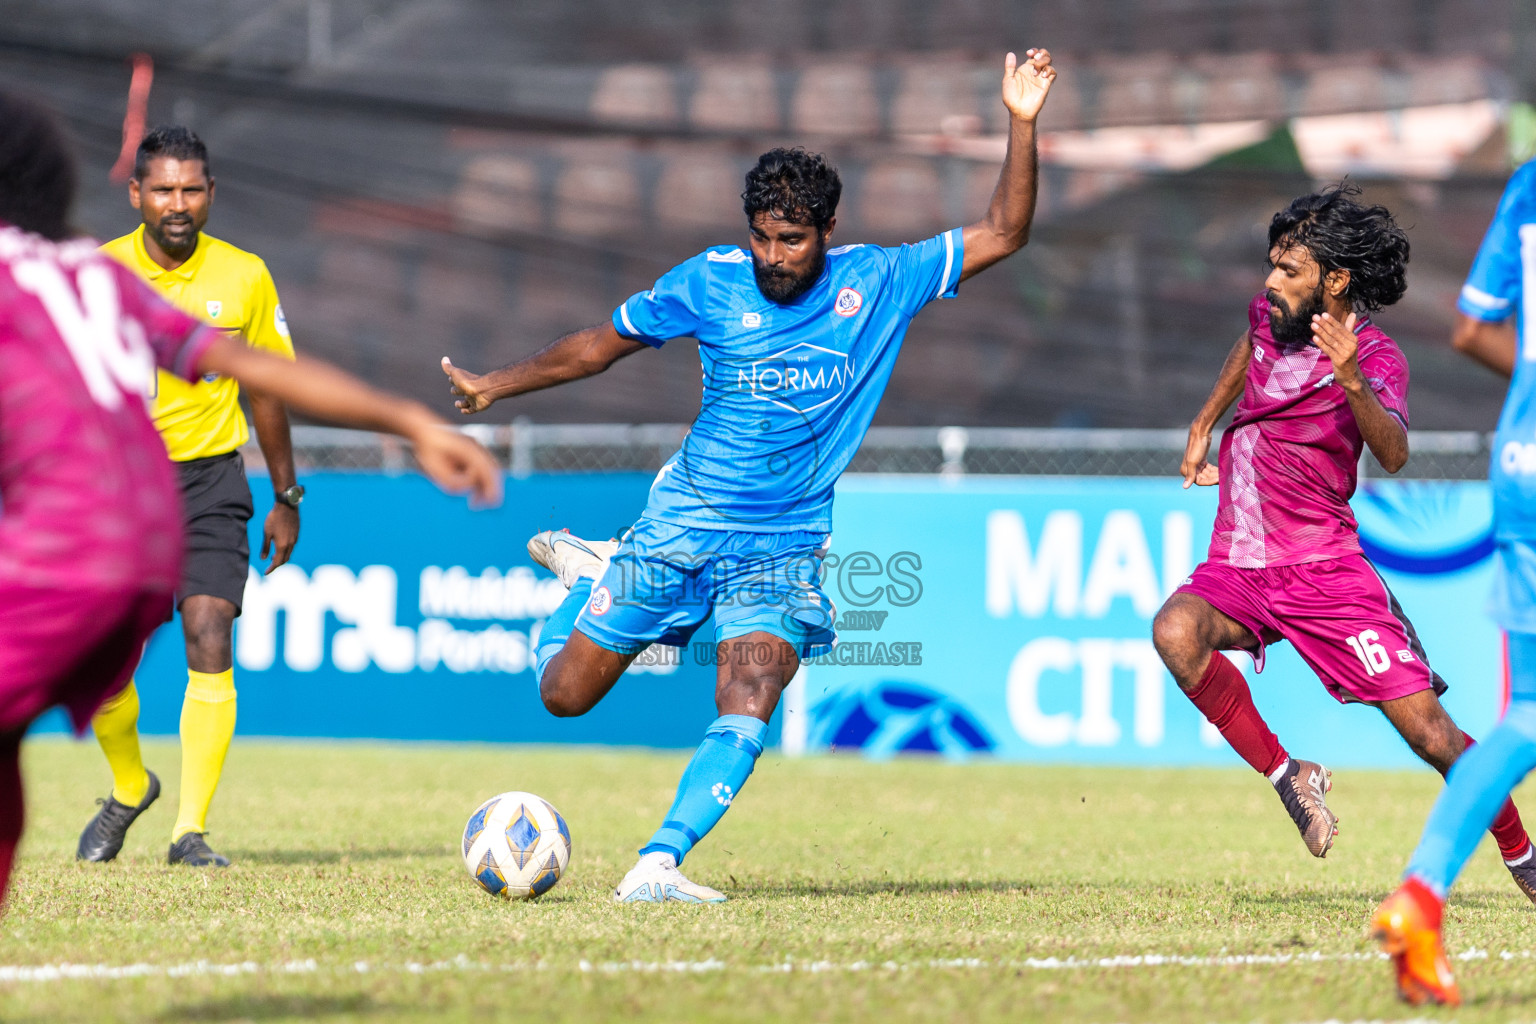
x=1006 y=617
x=405 y=615
x=1031 y=601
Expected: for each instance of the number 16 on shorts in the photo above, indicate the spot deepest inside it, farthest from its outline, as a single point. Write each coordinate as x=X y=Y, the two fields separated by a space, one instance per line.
x=1371 y=654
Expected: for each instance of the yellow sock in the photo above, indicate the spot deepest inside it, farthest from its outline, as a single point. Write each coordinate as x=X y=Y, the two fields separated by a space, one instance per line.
x=117 y=730
x=207 y=726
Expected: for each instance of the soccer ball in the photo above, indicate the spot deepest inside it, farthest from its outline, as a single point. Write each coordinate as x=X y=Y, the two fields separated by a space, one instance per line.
x=516 y=846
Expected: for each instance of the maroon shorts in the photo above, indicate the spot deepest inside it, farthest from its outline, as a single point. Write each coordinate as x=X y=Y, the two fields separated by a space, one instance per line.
x=1337 y=613
x=70 y=647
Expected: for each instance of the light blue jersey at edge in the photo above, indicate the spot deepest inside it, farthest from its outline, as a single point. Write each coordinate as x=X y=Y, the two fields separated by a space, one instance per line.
x=789 y=390
x=1502 y=277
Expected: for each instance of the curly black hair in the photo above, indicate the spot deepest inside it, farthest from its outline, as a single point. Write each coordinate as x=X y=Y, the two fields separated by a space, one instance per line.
x=1341 y=234
x=37 y=169
x=172 y=141
x=795 y=185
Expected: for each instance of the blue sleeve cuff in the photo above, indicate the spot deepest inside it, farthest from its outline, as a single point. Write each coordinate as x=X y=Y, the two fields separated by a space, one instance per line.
x=1480 y=305
x=954 y=260
x=626 y=327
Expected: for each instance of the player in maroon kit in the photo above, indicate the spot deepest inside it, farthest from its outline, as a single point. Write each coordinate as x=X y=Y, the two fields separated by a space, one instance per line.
x=1318 y=381
x=90 y=510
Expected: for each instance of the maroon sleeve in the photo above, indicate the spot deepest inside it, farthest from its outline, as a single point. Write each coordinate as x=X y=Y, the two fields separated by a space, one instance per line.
x=1258 y=311
x=177 y=339
x=1385 y=369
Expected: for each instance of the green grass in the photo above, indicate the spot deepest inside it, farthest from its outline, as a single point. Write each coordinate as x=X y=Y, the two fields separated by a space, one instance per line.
x=901 y=891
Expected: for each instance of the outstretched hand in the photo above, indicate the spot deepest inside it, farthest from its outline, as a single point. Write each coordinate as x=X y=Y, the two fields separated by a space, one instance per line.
x=467 y=387
x=457 y=463
x=1025 y=85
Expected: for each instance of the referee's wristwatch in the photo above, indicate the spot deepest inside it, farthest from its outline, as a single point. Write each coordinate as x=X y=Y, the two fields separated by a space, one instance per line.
x=291 y=496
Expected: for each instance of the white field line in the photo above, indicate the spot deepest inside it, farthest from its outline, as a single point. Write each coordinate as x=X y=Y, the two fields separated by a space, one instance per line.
x=462 y=964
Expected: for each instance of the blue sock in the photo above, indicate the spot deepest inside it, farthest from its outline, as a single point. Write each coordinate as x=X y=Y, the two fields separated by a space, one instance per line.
x=710 y=782
x=1475 y=790
x=558 y=627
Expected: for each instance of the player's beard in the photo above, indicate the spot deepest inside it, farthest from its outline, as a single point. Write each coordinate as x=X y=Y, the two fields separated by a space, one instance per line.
x=1292 y=329
x=784 y=287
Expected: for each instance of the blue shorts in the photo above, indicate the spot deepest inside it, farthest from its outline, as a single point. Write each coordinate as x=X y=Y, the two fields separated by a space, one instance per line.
x=665 y=580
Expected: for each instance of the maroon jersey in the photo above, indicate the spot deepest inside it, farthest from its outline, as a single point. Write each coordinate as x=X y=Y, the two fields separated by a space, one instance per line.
x=1288 y=460
x=88 y=498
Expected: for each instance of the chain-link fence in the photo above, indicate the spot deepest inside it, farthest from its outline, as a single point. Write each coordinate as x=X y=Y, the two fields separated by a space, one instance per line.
x=526 y=448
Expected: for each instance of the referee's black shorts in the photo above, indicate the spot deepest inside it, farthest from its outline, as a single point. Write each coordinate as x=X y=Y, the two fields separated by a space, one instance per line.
x=216 y=502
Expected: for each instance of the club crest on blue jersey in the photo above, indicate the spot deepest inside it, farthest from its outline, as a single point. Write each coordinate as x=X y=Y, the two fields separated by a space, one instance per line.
x=848 y=302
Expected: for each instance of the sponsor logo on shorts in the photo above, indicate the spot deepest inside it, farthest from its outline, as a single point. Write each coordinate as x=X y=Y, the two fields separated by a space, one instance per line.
x=602 y=600
x=848 y=302
x=751 y=320
x=1404 y=655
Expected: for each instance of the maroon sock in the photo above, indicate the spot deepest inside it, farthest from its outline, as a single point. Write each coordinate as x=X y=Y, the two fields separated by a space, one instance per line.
x=1508 y=831
x=1225 y=701
x=10 y=805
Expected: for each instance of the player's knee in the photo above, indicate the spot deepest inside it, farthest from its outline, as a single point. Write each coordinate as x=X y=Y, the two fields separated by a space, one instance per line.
x=561 y=699
x=1440 y=747
x=1175 y=633
x=752 y=692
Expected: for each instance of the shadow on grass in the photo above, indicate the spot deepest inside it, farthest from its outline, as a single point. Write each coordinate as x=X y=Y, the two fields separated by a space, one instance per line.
x=1312 y=899
x=887 y=887
x=335 y=856
x=277 y=1008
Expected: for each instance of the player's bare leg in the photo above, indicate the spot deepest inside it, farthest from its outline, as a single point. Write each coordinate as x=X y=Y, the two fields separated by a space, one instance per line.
x=580 y=676
x=750 y=678
x=1422 y=721
x=1189 y=632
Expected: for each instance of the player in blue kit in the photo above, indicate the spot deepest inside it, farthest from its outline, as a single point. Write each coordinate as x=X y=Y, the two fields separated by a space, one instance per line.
x=1496 y=329
x=797 y=340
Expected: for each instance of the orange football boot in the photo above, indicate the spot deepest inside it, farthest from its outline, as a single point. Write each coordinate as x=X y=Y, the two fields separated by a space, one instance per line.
x=1407 y=924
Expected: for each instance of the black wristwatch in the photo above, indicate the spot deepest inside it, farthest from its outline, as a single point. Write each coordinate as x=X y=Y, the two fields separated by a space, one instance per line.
x=291 y=497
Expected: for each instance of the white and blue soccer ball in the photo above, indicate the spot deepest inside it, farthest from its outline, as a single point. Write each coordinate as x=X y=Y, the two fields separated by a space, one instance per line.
x=516 y=846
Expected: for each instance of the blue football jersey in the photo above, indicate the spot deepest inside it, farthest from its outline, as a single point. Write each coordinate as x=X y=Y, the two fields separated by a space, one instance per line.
x=1494 y=291
x=789 y=390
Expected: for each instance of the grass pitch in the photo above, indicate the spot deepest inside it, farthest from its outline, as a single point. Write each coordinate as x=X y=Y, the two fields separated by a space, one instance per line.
x=888 y=892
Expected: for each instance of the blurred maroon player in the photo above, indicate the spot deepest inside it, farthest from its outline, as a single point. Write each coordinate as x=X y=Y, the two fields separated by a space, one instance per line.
x=1319 y=382
x=90 y=514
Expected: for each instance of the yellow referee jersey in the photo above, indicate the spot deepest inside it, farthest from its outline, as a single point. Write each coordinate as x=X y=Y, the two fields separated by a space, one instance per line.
x=232 y=289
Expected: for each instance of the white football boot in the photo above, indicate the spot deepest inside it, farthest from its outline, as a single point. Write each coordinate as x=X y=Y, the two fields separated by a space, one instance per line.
x=655 y=879
x=569 y=557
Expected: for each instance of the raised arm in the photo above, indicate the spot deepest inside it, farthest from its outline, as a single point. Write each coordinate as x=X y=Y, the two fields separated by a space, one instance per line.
x=1229 y=385
x=1383 y=432
x=1490 y=342
x=1005 y=228
x=579 y=354
x=454 y=462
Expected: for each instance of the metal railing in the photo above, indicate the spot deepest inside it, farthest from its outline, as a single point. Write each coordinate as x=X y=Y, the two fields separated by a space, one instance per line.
x=527 y=448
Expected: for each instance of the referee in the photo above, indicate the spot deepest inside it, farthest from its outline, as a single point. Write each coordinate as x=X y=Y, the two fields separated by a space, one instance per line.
x=202 y=426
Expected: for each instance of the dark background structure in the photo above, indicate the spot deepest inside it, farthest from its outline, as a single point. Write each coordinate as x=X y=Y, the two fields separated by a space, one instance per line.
x=473 y=178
